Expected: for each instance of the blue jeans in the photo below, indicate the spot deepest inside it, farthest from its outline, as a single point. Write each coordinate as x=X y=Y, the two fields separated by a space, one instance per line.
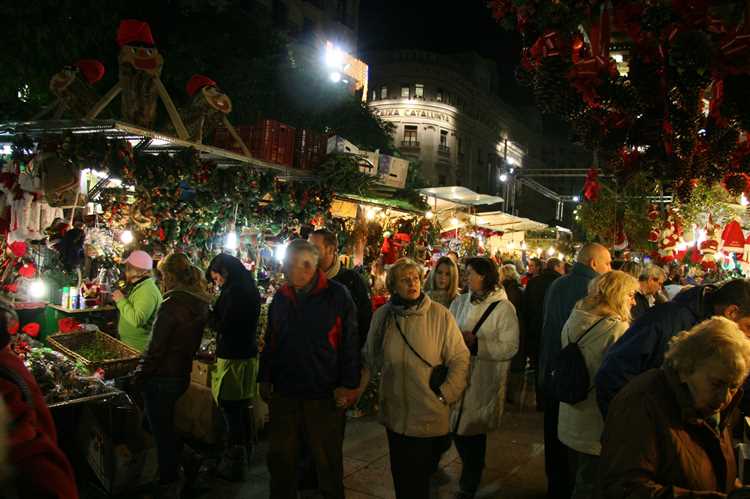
x=159 y=398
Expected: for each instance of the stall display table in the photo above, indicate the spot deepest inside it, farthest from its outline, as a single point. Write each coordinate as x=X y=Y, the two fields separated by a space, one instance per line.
x=104 y=317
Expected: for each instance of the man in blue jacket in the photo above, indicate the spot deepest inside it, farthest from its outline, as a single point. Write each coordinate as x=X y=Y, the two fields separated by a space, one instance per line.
x=559 y=301
x=643 y=345
x=309 y=373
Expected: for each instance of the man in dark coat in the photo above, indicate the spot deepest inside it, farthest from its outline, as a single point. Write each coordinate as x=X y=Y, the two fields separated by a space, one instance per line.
x=309 y=373
x=643 y=345
x=533 y=313
x=561 y=297
x=327 y=245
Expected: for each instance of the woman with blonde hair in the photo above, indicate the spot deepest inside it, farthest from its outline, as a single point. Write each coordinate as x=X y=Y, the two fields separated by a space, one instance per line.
x=596 y=322
x=442 y=283
x=164 y=370
x=667 y=431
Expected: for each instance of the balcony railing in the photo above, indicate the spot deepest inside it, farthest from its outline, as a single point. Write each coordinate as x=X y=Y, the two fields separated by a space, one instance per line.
x=410 y=144
x=444 y=150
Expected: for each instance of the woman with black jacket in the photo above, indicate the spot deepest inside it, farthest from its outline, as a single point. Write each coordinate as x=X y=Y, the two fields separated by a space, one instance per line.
x=235 y=320
x=164 y=370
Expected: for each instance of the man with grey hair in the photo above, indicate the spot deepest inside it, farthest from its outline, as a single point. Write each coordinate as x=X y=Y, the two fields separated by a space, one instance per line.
x=651 y=281
x=309 y=373
x=561 y=297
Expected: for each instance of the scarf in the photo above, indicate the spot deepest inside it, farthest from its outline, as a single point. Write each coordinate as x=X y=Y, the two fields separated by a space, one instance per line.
x=333 y=271
x=398 y=301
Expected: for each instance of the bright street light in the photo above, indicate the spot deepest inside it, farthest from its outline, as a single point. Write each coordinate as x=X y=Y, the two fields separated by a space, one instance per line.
x=576 y=199
x=503 y=177
x=335 y=77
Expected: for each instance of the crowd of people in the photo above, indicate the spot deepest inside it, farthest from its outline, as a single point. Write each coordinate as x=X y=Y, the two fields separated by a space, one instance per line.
x=638 y=390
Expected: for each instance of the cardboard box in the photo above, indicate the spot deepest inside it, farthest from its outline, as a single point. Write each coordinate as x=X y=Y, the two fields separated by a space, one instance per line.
x=393 y=171
x=202 y=372
x=338 y=144
x=120 y=453
x=369 y=162
x=197 y=415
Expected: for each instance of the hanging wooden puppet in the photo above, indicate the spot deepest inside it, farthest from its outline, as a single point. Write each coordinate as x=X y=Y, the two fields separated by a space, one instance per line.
x=73 y=87
x=208 y=111
x=140 y=84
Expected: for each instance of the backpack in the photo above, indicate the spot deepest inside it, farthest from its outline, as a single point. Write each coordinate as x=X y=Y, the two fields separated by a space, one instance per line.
x=570 y=377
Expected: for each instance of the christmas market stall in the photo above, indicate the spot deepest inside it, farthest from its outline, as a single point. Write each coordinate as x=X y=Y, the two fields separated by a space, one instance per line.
x=80 y=190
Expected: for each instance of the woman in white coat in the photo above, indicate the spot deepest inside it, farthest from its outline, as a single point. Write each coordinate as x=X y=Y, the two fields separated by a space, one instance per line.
x=492 y=347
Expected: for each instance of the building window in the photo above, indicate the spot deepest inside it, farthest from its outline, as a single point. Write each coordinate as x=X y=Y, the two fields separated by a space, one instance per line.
x=439 y=95
x=419 y=91
x=410 y=135
x=404 y=91
x=383 y=93
x=444 y=138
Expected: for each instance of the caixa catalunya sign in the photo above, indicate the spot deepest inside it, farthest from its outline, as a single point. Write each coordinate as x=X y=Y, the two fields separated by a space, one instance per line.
x=416 y=113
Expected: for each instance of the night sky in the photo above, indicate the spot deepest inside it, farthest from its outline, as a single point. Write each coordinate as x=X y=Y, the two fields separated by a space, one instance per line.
x=444 y=27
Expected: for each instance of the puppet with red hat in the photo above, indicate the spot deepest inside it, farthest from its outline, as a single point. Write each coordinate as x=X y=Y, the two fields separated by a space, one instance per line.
x=208 y=110
x=140 y=84
x=710 y=246
x=73 y=87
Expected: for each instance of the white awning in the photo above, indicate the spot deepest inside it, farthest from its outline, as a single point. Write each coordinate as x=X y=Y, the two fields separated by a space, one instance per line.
x=453 y=196
x=499 y=220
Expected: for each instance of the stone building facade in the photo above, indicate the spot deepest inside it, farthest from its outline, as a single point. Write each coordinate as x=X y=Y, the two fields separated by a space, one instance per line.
x=446 y=114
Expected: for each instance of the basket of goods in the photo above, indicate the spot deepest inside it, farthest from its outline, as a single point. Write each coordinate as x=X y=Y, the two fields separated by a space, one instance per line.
x=62 y=381
x=96 y=350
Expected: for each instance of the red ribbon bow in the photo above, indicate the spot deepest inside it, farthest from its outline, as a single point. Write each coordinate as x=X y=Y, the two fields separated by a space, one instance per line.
x=32 y=329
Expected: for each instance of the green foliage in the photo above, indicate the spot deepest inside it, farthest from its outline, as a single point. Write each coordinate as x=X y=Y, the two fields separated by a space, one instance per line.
x=342 y=171
x=618 y=207
x=704 y=200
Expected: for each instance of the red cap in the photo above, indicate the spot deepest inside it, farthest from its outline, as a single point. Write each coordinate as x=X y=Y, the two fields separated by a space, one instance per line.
x=197 y=82
x=91 y=69
x=132 y=30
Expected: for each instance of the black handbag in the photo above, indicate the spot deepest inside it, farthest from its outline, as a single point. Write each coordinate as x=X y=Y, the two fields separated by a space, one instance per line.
x=439 y=372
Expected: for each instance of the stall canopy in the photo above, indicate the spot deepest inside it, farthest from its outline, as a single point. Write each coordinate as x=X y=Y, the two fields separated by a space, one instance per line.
x=445 y=198
x=498 y=220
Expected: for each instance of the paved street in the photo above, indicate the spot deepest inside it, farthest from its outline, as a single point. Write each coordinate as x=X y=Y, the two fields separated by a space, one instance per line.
x=515 y=464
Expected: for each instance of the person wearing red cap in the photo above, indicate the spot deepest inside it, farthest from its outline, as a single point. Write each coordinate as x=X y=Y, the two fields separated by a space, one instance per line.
x=39 y=467
x=138 y=308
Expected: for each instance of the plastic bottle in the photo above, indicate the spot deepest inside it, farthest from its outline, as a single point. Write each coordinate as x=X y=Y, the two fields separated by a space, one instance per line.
x=74 y=296
x=65 y=300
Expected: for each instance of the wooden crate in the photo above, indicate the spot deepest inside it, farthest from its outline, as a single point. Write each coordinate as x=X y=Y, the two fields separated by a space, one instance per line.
x=273 y=141
x=202 y=372
x=123 y=357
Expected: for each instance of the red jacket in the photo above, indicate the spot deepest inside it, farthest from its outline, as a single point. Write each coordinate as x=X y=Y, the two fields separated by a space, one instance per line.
x=41 y=469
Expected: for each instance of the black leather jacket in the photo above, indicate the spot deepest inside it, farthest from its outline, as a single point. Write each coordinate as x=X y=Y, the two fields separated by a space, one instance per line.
x=175 y=336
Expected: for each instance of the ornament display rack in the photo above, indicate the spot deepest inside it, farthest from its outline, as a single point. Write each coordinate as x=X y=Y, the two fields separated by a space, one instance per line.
x=152 y=141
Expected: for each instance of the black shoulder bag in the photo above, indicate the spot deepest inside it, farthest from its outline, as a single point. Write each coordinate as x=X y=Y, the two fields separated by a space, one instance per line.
x=440 y=372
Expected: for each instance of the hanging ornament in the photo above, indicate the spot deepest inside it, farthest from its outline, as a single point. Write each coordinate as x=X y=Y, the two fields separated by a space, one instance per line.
x=733 y=238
